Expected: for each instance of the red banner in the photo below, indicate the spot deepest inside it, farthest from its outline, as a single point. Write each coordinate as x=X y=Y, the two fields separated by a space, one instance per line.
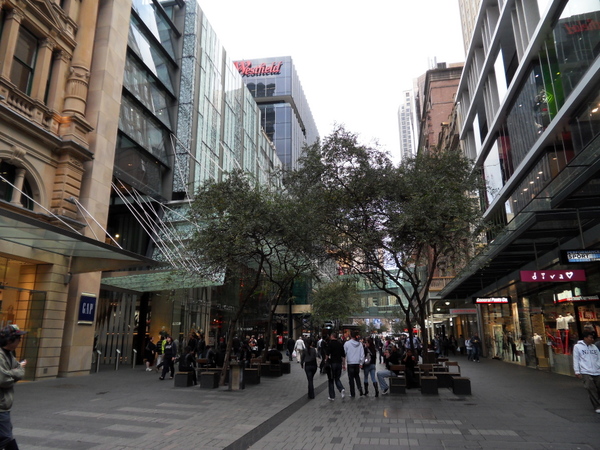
x=552 y=276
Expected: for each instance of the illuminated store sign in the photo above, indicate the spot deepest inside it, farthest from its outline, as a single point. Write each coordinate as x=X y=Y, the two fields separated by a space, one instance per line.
x=579 y=26
x=488 y=300
x=579 y=298
x=580 y=256
x=246 y=70
x=556 y=276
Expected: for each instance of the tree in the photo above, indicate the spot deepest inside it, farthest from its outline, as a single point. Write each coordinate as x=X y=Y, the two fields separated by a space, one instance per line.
x=336 y=300
x=250 y=233
x=390 y=224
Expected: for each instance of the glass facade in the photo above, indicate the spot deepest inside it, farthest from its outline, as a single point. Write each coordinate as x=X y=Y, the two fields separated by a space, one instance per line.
x=285 y=115
x=566 y=54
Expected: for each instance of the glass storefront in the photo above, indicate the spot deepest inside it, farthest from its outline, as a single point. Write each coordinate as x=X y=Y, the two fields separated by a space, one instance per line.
x=540 y=329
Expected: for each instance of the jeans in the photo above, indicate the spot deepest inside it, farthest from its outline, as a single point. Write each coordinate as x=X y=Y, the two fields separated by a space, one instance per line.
x=310 y=374
x=336 y=373
x=354 y=377
x=369 y=369
x=381 y=376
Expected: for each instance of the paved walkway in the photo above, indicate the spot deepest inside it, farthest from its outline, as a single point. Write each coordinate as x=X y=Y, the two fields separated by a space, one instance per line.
x=512 y=407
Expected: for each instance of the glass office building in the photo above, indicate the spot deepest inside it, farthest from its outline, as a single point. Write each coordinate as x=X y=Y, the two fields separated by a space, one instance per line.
x=285 y=113
x=529 y=108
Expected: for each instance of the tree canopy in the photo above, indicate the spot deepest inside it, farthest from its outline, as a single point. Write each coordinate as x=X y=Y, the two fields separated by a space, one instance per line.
x=388 y=223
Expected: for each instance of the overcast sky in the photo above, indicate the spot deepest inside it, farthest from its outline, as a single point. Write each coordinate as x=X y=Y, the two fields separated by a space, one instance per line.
x=354 y=58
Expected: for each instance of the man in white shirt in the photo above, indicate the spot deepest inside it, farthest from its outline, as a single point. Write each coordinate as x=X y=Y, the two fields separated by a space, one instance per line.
x=586 y=364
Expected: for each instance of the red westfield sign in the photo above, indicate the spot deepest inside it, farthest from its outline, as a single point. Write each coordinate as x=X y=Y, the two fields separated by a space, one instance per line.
x=557 y=276
x=246 y=70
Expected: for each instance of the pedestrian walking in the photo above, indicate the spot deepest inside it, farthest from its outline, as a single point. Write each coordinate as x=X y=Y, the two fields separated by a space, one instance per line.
x=355 y=358
x=586 y=365
x=170 y=353
x=149 y=352
x=160 y=351
x=309 y=362
x=336 y=359
x=369 y=367
x=290 y=348
x=299 y=348
x=476 y=344
x=469 y=348
x=11 y=371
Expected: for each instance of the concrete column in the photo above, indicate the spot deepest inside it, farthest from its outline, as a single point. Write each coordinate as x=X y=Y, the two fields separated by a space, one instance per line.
x=8 y=43
x=42 y=69
x=78 y=82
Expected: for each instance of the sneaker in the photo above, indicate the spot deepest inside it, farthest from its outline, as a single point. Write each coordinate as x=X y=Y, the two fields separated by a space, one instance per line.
x=385 y=391
x=343 y=391
x=598 y=410
x=330 y=399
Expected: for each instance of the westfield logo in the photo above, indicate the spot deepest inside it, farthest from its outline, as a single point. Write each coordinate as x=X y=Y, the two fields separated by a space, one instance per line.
x=246 y=70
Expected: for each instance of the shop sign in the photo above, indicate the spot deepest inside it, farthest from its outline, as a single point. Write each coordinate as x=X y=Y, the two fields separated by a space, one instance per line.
x=488 y=300
x=580 y=256
x=577 y=298
x=87 y=309
x=556 y=276
x=463 y=311
x=246 y=70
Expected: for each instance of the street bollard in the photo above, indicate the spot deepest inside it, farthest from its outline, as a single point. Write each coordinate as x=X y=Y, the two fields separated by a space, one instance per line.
x=98 y=360
x=134 y=358
x=118 y=358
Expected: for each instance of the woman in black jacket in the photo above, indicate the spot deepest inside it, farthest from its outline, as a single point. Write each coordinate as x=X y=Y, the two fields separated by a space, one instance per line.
x=370 y=365
x=309 y=362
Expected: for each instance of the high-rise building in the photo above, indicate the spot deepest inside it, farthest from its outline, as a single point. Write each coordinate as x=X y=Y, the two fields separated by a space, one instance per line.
x=436 y=91
x=406 y=125
x=111 y=114
x=529 y=109
x=286 y=116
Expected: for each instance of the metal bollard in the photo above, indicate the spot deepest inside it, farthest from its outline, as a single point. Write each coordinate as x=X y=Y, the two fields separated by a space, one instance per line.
x=134 y=358
x=118 y=358
x=98 y=360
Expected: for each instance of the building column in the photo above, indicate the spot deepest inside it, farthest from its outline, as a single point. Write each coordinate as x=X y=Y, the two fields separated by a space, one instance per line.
x=58 y=80
x=78 y=82
x=18 y=187
x=8 y=43
x=42 y=69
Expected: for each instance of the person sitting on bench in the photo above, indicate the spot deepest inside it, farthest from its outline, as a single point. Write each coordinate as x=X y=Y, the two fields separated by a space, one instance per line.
x=187 y=363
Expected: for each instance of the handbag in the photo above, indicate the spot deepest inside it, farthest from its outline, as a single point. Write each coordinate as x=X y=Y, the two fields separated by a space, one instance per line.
x=294 y=354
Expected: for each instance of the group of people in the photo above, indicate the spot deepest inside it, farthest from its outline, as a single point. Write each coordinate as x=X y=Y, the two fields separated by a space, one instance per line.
x=332 y=356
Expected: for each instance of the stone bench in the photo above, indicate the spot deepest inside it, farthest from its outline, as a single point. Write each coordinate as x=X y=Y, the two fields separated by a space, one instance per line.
x=461 y=386
x=209 y=379
x=184 y=379
x=252 y=375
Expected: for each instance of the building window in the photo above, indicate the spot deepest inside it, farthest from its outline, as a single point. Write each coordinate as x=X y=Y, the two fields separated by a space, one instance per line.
x=23 y=65
x=7 y=180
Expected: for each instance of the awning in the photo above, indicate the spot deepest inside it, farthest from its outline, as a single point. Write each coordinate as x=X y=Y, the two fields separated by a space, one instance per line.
x=87 y=255
x=156 y=280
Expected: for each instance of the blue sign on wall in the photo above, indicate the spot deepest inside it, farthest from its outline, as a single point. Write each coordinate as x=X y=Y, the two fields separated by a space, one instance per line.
x=87 y=309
